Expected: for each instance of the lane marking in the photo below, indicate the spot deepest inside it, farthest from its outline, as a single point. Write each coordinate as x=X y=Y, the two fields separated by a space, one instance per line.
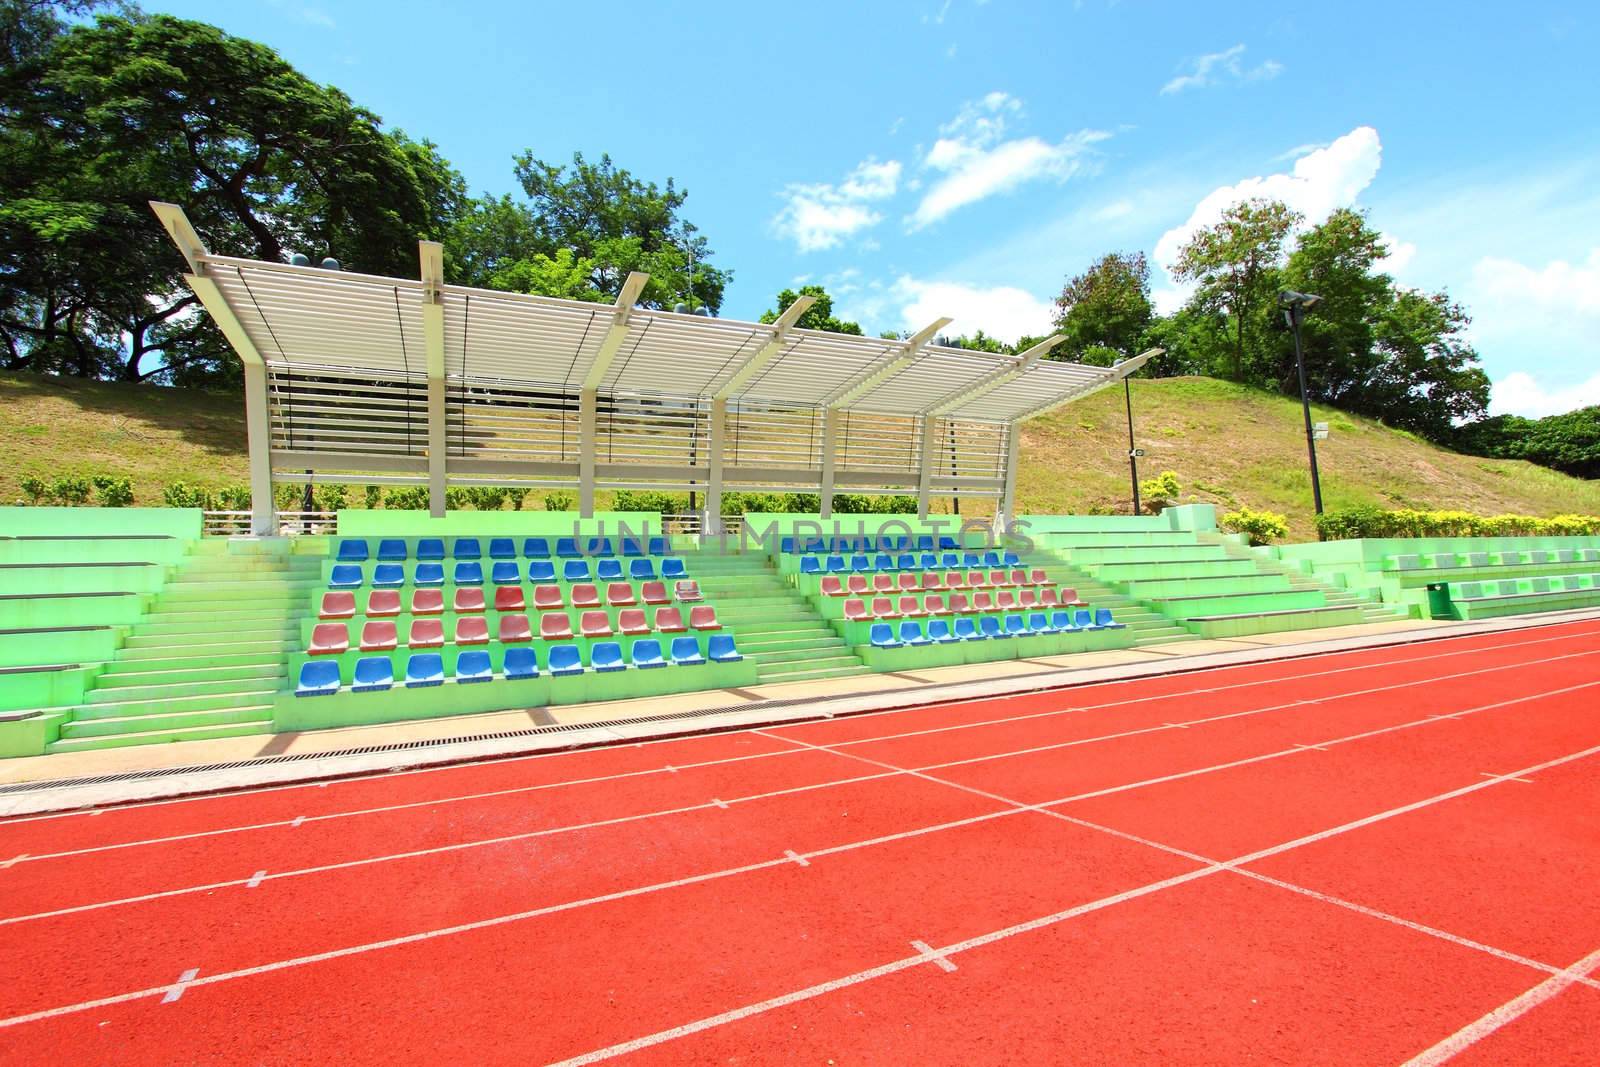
x=185 y=980
x=796 y=857
x=14 y=860
x=255 y=879
x=938 y=959
x=719 y=803
x=1318 y=748
x=1509 y=1012
x=1524 y=781
x=298 y=819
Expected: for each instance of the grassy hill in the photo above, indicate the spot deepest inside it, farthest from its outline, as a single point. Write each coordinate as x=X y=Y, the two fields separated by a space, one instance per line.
x=1228 y=444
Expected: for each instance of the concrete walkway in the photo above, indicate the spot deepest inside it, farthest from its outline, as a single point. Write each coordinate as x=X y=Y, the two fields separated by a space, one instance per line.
x=113 y=776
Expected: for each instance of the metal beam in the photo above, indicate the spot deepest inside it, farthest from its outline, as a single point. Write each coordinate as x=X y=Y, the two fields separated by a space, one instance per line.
x=830 y=449
x=182 y=233
x=752 y=366
x=875 y=375
x=1114 y=375
x=431 y=254
x=719 y=439
x=993 y=380
x=1007 y=512
x=925 y=466
x=618 y=331
x=586 y=450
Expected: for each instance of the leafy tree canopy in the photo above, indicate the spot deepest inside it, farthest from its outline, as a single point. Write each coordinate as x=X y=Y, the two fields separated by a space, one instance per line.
x=1105 y=310
x=819 y=316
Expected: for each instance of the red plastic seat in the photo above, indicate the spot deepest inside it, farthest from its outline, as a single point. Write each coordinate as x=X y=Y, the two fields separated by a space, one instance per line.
x=930 y=580
x=547 y=598
x=1006 y=600
x=555 y=627
x=337 y=605
x=329 y=639
x=1027 y=598
x=469 y=600
x=908 y=582
x=934 y=604
x=620 y=594
x=982 y=602
x=830 y=586
x=510 y=598
x=687 y=591
x=472 y=630
x=1039 y=577
x=954 y=579
x=670 y=621
x=959 y=604
x=883 y=583
x=631 y=622
x=883 y=608
x=654 y=593
x=856 y=611
x=1019 y=577
x=426 y=633
x=1070 y=596
x=594 y=624
x=911 y=607
x=585 y=595
x=383 y=602
x=514 y=628
x=859 y=586
x=427 y=602
x=977 y=580
x=1047 y=599
x=704 y=617
x=999 y=578
x=379 y=636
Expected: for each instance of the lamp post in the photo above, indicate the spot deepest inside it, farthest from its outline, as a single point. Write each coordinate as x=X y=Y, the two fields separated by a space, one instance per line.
x=1295 y=305
x=1133 y=453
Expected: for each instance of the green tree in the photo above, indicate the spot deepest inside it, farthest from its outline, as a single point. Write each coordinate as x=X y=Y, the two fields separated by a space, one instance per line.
x=1427 y=377
x=819 y=316
x=1236 y=263
x=1106 y=309
x=978 y=342
x=1569 y=442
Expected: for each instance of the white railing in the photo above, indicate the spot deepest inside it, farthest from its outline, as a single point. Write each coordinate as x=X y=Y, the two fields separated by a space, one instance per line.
x=290 y=523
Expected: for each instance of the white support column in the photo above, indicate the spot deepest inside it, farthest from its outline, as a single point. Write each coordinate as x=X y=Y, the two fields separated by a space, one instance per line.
x=925 y=465
x=258 y=434
x=586 y=423
x=1008 y=497
x=587 y=393
x=432 y=256
x=830 y=449
x=719 y=440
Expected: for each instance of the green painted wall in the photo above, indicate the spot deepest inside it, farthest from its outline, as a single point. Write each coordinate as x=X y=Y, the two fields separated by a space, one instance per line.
x=100 y=522
x=360 y=522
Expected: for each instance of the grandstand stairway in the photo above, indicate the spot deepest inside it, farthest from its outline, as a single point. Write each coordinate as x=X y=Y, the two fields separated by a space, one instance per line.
x=776 y=626
x=1371 y=610
x=1145 y=626
x=206 y=660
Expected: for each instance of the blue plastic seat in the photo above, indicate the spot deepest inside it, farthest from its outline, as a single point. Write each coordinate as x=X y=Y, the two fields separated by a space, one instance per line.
x=641 y=570
x=502 y=548
x=575 y=570
x=345 y=576
x=424 y=668
x=431 y=549
x=949 y=560
x=647 y=654
x=907 y=562
x=970 y=560
x=469 y=573
x=786 y=545
x=606 y=656
x=882 y=636
x=427 y=574
x=392 y=550
x=686 y=652
x=541 y=572
x=389 y=575
x=1061 y=622
x=373 y=674
x=810 y=565
x=939 y=632
x=521 y=663
x=990 y=627
x=565 y=660
x=467 y=548
x=505 y=572
x=883 y=561
x=928 y=561
x=946 y=541
x=719 y=649
x=861 y=564
x=1017 y=627
x=474 y=666
x=598 y=546
x=659 y=546
x=836 y=565
x=318 y=678
x=1039 y=623
x=352 y=550
x=967 y=630
x=1083 y=619
x=924 y=542
x=1102 y=619
x=672 y=567
x=631 y=547
x=911 y=633
x=1010 y=559
x=567 y=548
x=608 y=570
x=535 y=548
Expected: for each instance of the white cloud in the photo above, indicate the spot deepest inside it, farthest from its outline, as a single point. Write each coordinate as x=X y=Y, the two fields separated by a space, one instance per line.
x=1559 y=288
x=1519 y=393
x=978 y=161
x=911 y=303
x=819 y=216
x=1401 y=253
x=1215 y=68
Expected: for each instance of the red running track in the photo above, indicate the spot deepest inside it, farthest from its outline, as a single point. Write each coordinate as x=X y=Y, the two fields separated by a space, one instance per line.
x=1384 y=856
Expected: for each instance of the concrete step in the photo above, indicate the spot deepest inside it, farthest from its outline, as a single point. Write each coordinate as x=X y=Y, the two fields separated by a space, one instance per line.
x=805 y=666
x=179 y=720
x=170 y=689
x=785 y=642
x=164 y=633
x=819 y=675
x=813 y=654
x=253 y=697
x=119 y=677
x=166 y=647
x=192 y=733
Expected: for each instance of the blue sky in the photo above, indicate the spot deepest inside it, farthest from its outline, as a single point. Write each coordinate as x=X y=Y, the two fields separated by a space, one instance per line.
x=962 y=158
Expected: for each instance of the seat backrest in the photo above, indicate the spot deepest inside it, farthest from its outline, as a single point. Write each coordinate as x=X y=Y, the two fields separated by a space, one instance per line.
x=632 y=620
x=858 y=583
x=1061 y=620
x=934 y=602
x=469 y=599
x=599 y=546
x=959 y=603
x=536 y=548
x=653 y=592
x=1102 y=616
x=392 y=548
x=906 y=562
x=565 y=657
x=431 y=573
x=330 y=635
x=703 y=617
x=646 y=650
x=594 y=622
x=471 y=628
x=631 y=546
x=585 y=593
x=506 y=572
x=619 y=593
x=608 y=569
x=352 y=550
x=641 y=570
x=394 y=573
x=989 y=625
x=881 y=634
x=909 y=604
x=553 y=625
x=910 y=630
x=1038 y=622
x=883 y=583
x=521 y=663
x=831 y=586
x=348 y=574
x=861 y=564
x=379 y=632
x=467 y=548
x=938 y=629
x=855 y=609
x=424 y=665
x=474 y=664
x=720 y=646
x=882 y=562
x=1014 y=624
x=374 y=670
x=426 y=601
x=575 y=570
x=425 y=631
x=605 y=654
x=430 y=548
x=689 y=590
x=908 y=581
x=546 y=597
x=669 y=619
x=1081 y=618
x=502 y=548
x=659 y=546
x=982 y=602
x=338 y=605
x=567 y=548
x=515 y=627
x=882 y=605
x=965 y=628
x=541 y=570
x=685 y=648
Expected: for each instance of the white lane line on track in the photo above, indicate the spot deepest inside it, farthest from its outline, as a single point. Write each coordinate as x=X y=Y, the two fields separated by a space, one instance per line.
x=796 y=857
x=1524 y=781
x=938 y=959
x=13 y=861
x=175 y=990
x=1197 y=673
x=412 y=805
x=255 y=879
x=890 y=770
x=502 y=920
x=1509 y=1012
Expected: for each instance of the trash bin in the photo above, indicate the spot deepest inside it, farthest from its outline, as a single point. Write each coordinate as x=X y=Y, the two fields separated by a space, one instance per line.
x=1439 y=600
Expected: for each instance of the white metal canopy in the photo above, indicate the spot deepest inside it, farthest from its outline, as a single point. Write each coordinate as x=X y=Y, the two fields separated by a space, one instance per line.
x=426 y=382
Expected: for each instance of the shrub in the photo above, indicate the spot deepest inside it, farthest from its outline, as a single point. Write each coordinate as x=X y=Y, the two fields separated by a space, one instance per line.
x=184 y=495
x=650 y=500
x=70 y=491
x=1159 y=492
x=455 y=499
x=331 y=497
x=407 y=498
x=1368 y=521
x=558 y=500
x=516 y=496
x=37 y=491
x=1261 y=527
x=372 y=496
x=231 y=498
x=114 y=492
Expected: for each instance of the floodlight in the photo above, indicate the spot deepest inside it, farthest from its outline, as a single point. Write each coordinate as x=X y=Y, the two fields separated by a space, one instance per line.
x=1304 y=301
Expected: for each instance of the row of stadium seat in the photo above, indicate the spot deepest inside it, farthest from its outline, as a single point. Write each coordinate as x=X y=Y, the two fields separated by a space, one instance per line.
x=382 y=635
x=991 y=627
x=790 y=546
x=857 y=584
x=395 y=550
x=927 y=561
x=503 y=572
x=1475 y=560
x=381 y=603
x=376 y=673
x=915 y=607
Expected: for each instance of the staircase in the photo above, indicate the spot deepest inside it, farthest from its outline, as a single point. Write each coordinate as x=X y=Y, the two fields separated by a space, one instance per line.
x=207 y=659
x=774 y=625
x=1145 y=626
x=1371 y=610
